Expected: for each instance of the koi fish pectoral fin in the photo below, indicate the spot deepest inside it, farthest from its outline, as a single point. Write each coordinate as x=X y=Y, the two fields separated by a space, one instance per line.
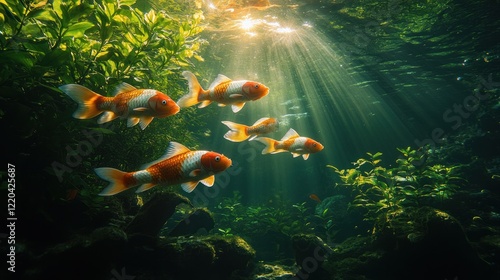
x=237 y=107
x=107 y=117
x=189 y=186
x=195 y=173
x=145 y=121
x=296 y=155
x=132 y=121
x=204 y=104
x=236 y=95
x=305 y=156
x=209 y=181
x=145 y=187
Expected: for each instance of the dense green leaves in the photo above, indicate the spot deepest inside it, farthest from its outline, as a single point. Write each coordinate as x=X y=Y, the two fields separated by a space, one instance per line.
x=99 y=44
x=389 y=194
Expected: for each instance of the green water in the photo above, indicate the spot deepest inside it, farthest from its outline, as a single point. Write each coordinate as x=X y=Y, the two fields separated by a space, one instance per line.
x=403 y=95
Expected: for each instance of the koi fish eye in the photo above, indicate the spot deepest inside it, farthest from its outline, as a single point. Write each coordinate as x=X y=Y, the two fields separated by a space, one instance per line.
x=164 y=102
x=217 y=158
x=314 y=145
x=256 y=86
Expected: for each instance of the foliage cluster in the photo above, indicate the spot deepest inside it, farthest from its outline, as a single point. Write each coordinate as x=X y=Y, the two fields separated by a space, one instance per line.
x=232 y=217
x=392 y=195
x=94 y=43
x=98 y=44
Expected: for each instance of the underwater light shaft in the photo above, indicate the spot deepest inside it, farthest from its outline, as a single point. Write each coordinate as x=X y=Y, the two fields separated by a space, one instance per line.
x=310 y=91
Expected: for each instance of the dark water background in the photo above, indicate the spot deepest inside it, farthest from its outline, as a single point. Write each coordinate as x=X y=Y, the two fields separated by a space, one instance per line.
x=376 y=83
x=357 y=76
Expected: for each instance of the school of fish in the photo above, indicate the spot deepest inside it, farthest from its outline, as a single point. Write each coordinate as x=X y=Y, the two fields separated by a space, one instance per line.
x=180 y=165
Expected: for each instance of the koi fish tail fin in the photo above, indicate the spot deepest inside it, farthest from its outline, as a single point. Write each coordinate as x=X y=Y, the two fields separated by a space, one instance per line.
x=238 y=132
x=195 y=89
x=115 y=177
x=87 y=100
x=270 y=145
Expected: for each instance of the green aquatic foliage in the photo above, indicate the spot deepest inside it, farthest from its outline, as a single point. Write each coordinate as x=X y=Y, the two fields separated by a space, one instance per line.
x=232 y=217
x=390 y=194
x=98 y=44
x=95 y=42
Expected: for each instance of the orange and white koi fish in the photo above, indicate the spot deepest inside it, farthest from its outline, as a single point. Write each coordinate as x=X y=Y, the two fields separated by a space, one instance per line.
x=291 y=142
x=315 y=197
x=241 y=132
x=135 y=105
x=223 y=91
x=178 y=166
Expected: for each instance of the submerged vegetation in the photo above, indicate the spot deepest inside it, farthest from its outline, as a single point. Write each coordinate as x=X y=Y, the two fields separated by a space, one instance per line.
x=283 y=217
x=391 y=196
x=98 y=44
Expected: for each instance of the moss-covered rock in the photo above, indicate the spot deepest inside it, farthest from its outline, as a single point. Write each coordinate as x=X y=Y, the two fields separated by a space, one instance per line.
x=155 y=212
x=310 y=253
x=198 y=219
x=440 y=251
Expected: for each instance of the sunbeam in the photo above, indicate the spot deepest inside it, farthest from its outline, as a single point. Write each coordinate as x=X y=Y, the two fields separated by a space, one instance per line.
x=310 y=91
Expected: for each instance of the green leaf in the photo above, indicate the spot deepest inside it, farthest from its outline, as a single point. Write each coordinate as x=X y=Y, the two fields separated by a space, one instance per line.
x=77 y=30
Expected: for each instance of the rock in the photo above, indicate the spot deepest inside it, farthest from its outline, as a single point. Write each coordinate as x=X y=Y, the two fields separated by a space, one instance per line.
x=207 y=257
x=153 y=215
x=272 y=272
x=310 y=253
x=80 y=257
x=437 y=249
x=198 y=219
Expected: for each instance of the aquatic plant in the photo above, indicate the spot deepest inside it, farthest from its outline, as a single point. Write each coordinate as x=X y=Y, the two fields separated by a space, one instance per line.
x=231 y=216
x=99 y=44
x=391 y=195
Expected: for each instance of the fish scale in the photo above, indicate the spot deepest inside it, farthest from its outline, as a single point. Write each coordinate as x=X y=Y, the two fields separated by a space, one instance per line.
x=292 y=144
x=225 y=90
x=141 y=100
x=175 y=168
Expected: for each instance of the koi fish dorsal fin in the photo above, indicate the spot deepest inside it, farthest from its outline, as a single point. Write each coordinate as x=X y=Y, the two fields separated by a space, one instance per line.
x=259 y=121
x=219 y=80
x=173 y=149
x=290 y=134
x=123 y=87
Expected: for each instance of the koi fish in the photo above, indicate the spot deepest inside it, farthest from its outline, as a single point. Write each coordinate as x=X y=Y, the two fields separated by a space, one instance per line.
x=223 y=91
x=291 y=142
x=241 y=132
x=315 y=197
x=178 y=166
x=135 y=105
